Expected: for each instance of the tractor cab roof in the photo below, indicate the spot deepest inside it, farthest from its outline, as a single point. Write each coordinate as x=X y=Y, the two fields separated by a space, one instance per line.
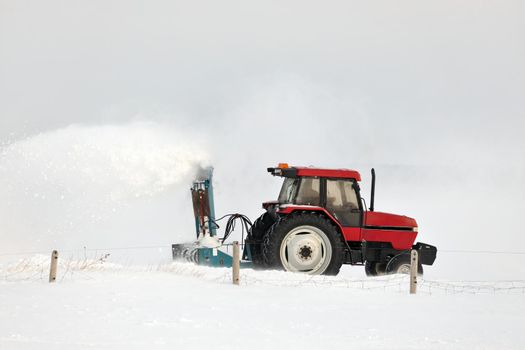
x=296 y=171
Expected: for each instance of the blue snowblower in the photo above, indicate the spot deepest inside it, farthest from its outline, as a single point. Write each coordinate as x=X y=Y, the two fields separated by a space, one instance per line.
x=209 y=249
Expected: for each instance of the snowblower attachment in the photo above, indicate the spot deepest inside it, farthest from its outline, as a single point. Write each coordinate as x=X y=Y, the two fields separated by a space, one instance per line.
x=208 y=250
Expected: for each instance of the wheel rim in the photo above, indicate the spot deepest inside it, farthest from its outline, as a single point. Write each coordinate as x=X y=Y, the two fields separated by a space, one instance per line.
x=404 y=269
x=306 y=249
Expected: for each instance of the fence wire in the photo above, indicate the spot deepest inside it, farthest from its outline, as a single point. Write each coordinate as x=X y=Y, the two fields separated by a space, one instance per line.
x=36 y=269
x=395 y=283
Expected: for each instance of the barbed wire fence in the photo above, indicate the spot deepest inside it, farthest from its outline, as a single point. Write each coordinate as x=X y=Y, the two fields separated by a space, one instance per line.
x=86 y=263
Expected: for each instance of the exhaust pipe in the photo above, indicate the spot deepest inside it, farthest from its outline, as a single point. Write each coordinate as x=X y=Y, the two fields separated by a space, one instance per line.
x=372 y=195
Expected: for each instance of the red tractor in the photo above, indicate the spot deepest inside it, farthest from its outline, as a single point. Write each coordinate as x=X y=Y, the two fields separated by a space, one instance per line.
x=320 y=221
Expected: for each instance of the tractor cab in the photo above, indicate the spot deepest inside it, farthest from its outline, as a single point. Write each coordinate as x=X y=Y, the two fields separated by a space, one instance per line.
x=339 y=195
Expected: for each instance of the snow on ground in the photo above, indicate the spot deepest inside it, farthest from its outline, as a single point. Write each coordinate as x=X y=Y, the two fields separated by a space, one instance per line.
x=96 y=305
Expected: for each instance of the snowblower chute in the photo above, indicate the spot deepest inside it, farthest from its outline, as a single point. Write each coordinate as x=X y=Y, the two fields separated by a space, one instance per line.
x=318 y=223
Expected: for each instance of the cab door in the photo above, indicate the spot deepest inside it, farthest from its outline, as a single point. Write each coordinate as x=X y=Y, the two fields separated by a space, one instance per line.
x=342 y=202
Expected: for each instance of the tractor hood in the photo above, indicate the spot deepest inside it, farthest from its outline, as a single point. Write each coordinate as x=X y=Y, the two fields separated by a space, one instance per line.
x=385 y=220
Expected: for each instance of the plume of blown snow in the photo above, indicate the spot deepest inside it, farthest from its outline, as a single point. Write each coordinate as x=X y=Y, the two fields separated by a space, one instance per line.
x=84 y=185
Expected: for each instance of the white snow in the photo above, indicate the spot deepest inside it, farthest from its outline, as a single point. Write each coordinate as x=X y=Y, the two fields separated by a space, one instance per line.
x=96 y=305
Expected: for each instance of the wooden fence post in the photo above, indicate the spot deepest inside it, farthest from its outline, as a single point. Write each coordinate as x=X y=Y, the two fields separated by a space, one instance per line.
x=414 y=263
x=236 y=264
x=53 y=268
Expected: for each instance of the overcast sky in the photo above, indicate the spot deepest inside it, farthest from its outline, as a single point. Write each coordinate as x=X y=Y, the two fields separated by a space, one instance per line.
x=433 y=91
x=455 y=68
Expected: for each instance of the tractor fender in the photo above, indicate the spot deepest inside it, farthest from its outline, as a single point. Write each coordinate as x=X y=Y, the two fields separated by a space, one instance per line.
x=288 y=209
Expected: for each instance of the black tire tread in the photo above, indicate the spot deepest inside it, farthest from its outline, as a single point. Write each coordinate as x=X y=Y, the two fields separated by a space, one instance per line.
x=256 y=235
x=274 y=236
x=374 y=268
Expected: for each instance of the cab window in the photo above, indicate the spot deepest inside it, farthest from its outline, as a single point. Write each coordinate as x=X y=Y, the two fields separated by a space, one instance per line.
x=342 y=202
x=309 y=192
x=288 y=190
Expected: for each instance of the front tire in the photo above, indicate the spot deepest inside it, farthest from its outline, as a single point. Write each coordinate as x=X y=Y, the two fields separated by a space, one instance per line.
x=305 y=242
x=400 y=264
x=374 y=268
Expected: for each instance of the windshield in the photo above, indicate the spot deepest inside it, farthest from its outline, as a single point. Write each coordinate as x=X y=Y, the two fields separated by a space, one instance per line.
x=288 y=190
x=304 y=191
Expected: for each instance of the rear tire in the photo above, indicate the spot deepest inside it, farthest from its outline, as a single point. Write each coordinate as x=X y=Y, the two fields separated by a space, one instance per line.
x=304 y=242
x=255 y=238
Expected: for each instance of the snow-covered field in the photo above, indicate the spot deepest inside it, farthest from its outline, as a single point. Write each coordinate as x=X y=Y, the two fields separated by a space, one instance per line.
x=96 y=305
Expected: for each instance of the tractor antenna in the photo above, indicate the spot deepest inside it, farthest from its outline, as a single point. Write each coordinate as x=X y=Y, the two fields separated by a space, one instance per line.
x=372 y=195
